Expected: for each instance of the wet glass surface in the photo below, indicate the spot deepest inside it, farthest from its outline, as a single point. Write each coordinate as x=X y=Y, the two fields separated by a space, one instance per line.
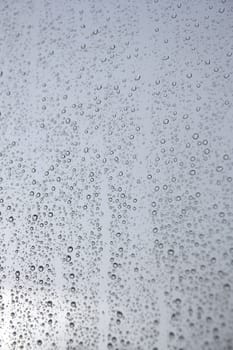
x=116 y=194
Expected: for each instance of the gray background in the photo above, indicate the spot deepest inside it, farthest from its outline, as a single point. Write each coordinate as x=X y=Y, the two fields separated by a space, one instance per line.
x=116 y=174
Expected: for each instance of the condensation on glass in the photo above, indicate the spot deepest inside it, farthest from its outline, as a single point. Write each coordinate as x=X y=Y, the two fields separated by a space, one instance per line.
x=116 y=194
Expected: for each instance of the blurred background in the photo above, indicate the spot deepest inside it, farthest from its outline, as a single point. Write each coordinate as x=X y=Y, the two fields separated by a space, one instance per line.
x=116 y=194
